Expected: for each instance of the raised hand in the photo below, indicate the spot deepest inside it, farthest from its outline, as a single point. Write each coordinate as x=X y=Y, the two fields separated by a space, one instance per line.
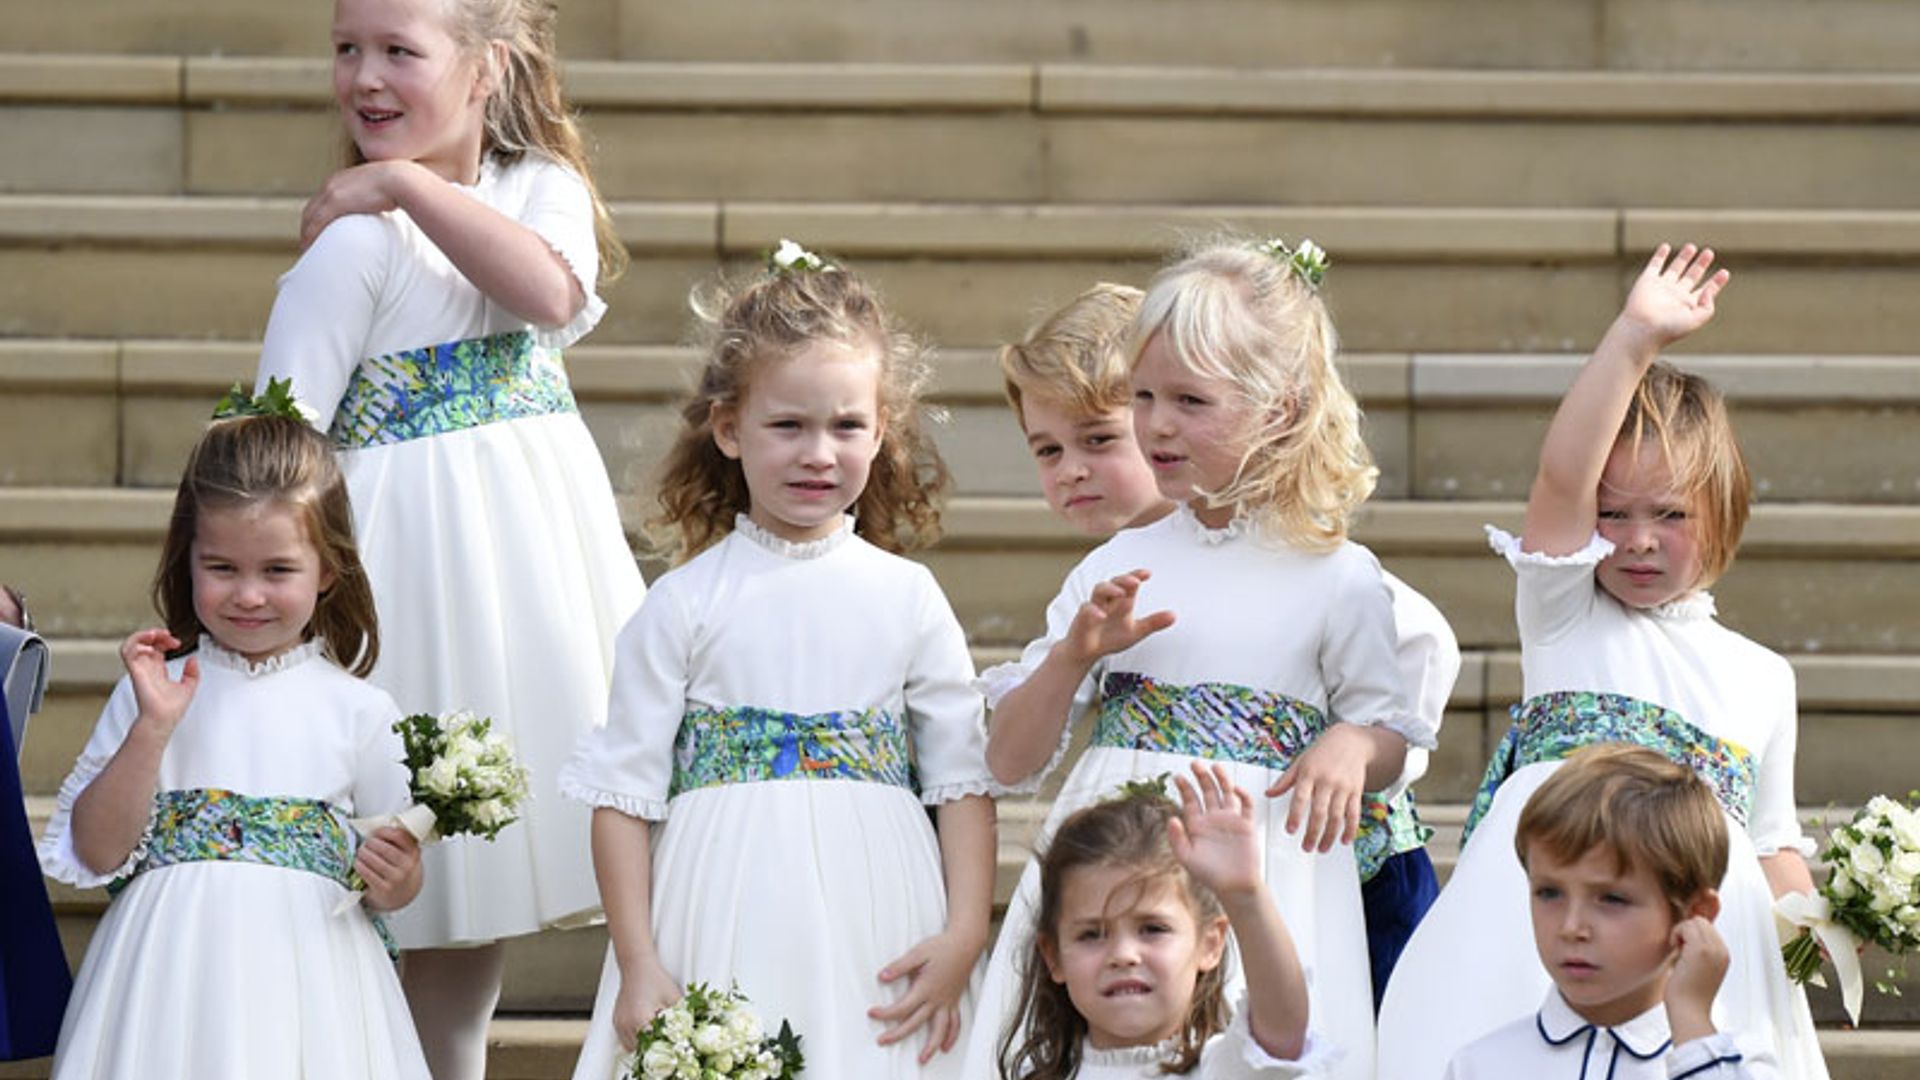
x=1700 y=962
x=937 y=971
x=642 y=995
x=361 y=189
x=1214 y=835
x=1105 y=624
x=161 y=699
x=1674 y=296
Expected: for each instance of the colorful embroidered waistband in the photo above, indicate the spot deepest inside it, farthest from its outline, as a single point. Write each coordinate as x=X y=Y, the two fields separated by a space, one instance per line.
x=744 y=745
x=1217 y=721
x=208 y=824
x=1388 y=827
x=450 y=387
x=1551 y=726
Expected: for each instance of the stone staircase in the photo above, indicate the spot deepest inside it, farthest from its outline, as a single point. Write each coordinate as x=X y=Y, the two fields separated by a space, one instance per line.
x=1487 y=173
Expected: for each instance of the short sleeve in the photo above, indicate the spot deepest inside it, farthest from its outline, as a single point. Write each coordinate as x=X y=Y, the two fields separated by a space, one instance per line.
x=1001 y=679
x=1428 y=656
x=1775 y=822
x=627 y=765
x=559 y=210
x=1358 y=655
x=944 y=712
x=1234 y=1055
x=58 y=859
x=317 y=332
x=380 y=782
x=1552 y=593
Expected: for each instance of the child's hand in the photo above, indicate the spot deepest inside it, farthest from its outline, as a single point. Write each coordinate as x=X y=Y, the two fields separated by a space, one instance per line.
x=1105 y=625
x=1673 y=298
x=362 y=189
x=161 y=700
x=937 y=971
x=1214 y=836
x=389 y=862
x=1327 y=782
x=1699 y=965
x=642 y=995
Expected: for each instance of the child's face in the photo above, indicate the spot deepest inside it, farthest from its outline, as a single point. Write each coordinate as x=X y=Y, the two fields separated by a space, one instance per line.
x=405 y=89
x=805 y=433
x=1656 y=553
x=1131 y=974
x=1604 y=933
x=256 y=578
x=1091 y=470
x=1192 y=427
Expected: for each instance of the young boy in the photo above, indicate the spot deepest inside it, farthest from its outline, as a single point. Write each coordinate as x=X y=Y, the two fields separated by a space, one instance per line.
x=1068 y=384
x=1624 y=850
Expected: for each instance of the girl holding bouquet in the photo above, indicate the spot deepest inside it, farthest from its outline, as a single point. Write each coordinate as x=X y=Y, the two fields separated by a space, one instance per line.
x=787 y=702
x=213 y=794
x=1638 y=506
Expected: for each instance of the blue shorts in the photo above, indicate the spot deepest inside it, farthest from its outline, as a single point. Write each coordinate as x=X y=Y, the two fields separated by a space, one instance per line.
x=1395 y=901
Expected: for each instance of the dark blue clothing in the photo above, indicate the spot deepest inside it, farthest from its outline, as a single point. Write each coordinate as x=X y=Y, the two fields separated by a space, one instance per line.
x=33 y=971
x=1395 y=900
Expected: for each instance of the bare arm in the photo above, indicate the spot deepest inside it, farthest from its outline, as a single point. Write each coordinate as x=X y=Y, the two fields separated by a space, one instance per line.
x=1670 y=300
x=1787 y=872
x=623 y=868
x=939 y=968
x=110 y=816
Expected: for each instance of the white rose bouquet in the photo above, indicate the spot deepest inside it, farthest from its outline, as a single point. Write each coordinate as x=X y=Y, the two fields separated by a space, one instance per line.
x=463 y=778
x=1871 y=896
x=712 y=1035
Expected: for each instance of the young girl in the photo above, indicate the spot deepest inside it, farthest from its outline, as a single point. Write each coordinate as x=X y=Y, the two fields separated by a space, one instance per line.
x=1639 y=503
x=785 y=703
x=214 y=792
x=1123 y=977
x=448 y=265
x=1281 y=661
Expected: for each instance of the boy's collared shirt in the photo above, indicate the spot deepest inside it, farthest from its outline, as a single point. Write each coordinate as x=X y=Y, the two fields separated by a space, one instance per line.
x=1557 y=1043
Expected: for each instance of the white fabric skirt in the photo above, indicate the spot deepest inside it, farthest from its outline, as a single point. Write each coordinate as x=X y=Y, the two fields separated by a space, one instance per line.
x=1471 y=966
x=236 y=969
x=502 y=575
x=798 y=892
x=1317 y=894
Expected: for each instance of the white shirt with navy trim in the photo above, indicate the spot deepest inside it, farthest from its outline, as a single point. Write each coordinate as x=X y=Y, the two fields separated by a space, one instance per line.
x=1557 y=1043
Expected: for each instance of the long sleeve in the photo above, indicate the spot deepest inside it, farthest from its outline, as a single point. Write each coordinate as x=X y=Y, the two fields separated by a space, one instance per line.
x=627 y=765
x=317 y=333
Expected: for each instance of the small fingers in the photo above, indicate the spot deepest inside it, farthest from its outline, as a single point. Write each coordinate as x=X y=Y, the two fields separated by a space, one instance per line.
x=914 y=1020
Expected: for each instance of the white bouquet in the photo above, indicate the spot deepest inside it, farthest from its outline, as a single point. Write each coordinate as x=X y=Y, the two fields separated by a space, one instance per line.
x=712 y=1035
x=1871 y=895
x=463 y=778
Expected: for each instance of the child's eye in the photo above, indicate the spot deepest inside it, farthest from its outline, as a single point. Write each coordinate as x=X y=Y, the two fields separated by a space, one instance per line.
x=1099 y=442
x=1546 y=892
x=1088 y=934
x=344 y=48
x=1192 y=399
x=1142 y=397
x=1046 y=452
x=1613 y=515
x=852 y=424
x=1672 y=515
x=400 y=50
x=1616 y=899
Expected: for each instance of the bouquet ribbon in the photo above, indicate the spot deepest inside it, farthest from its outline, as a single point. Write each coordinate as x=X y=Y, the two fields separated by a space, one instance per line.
x=1813 y=913
x=418 y=821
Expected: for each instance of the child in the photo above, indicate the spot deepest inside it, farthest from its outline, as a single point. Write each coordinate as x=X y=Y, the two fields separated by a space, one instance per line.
x=1638 y=506
x=1122 y=977
x=1281 y=661
x=214 y=791
x=1067 y=383
x=1622 y=850
x=785 y=703
x=447 y=267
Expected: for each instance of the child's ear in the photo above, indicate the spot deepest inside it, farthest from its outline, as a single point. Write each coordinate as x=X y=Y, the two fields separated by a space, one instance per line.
x=1705 y=905
x=725 y=423
x=327 y=579
x=491 y=71
x=1213 y=942
x=1050 y=955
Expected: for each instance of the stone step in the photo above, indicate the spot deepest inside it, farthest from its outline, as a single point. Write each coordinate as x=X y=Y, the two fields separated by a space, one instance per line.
x=1762 y=35
x=1049 y=133
x=1442 y=426
x=1406 y=279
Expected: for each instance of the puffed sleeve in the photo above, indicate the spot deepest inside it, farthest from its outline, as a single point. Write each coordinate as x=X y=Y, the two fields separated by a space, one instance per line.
x=1428 y=656
x=1775 y=822
x=1357 y=653
x=1552 y=593
x=57 y=856
x=1001 y=679
x=1234 y=1055
x=317 y=333
x=379 y=769
x=627 y=765
x=559 y=210
x=944 y=711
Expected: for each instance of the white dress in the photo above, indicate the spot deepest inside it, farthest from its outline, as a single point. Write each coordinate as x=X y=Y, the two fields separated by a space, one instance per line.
x=484 y=517
x=1230 y=1055
x=1672 y=678
x=1269 y=644
x=1556 y=1043
x=211 y=967
x=790 y=711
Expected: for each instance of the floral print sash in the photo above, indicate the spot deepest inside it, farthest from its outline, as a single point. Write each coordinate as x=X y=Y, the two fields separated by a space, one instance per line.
x=209 y=824
x=743 y=745
x=450 y=387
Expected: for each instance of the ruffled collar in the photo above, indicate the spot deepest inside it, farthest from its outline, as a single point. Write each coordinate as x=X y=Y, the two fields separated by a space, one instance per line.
x=212 y=652
x=1240 y=526
x=1131 y=1056
x=794 y=549
x=1692 y=607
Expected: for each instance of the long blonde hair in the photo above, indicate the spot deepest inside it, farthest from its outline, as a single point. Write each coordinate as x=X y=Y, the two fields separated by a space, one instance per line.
x=768 y=319
x=1228 y=311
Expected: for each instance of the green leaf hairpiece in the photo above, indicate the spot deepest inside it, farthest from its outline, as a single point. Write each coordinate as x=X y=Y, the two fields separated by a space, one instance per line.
x=1309 y=260
x=1145 y=787
x=791 y=258
x=276 y=400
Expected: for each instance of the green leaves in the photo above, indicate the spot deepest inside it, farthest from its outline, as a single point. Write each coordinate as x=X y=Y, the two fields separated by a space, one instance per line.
x=276 y=400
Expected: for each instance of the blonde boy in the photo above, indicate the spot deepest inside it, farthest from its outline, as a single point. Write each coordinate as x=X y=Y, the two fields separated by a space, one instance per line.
x=1624 y=852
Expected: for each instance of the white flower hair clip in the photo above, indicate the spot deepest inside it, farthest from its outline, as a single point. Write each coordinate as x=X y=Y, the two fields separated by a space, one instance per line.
x=1309 y=260
x=791 y=258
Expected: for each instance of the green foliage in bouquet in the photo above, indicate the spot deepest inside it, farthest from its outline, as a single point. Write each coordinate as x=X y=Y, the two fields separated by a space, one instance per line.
x=712 y=1035
x=462 y=770
x=1872 y=886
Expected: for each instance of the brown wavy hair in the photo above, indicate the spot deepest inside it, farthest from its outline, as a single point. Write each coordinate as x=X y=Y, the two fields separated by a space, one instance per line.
x=768 y=319
x=527 y=110
x=255 y=460
x=1687 y=418
x=1045 y=1041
